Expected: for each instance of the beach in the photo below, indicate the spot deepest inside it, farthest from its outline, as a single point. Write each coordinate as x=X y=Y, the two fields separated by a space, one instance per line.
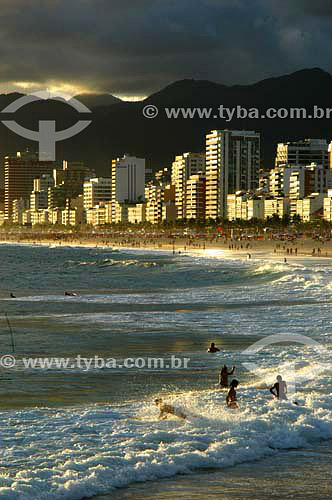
x=76 y=433
x=262 y=247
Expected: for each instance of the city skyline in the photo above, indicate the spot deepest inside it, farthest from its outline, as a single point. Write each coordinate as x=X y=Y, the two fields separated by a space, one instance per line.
x=223 y=182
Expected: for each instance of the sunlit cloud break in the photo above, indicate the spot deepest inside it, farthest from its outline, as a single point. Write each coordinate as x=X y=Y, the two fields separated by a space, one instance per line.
x=52 y=86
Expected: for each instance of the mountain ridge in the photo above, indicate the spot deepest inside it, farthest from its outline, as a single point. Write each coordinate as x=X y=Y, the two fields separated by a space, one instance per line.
x=119 y=126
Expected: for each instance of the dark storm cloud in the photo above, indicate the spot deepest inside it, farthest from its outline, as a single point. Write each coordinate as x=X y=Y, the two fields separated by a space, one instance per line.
x=137 y=46
x=320 y=8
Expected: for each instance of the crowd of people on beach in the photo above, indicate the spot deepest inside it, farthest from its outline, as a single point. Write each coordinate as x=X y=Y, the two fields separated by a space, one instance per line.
x=310 y=243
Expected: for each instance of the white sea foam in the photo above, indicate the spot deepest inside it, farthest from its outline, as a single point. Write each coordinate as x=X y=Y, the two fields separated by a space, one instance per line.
x=56 y=454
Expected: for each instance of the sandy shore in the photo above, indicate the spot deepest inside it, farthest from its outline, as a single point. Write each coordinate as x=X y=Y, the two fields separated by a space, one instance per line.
x=255 y=249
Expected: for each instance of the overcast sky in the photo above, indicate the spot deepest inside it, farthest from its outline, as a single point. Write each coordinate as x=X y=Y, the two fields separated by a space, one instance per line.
x=135 y=47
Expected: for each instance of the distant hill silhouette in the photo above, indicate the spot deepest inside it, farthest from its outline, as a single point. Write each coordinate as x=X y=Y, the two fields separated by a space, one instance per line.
x=96 y=100
x=119 y=127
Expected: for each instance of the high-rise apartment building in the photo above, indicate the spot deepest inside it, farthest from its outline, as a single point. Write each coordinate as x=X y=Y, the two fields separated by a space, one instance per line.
x=19 y=207
x=195 y=197
x=43 y=182
x=279 y=180
x=38 y=200
x=276 y=206
x=72 y=176
x=306 y=180
x=310 y=207
x=39 y=195
x=95 y=191
x=244 y=206
x=327 y=206
x=303 y=152
x=232 y=164
x=264 y=180
x=154 y=197
x=237 y=206
x=183 y=167
x=20 y=171
x=73 y=214
x=330 y=155
x=128 y=179
x=136 y=213
x=162 y=177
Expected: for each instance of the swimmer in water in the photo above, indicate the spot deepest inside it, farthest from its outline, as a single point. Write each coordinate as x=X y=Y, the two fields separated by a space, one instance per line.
x=166 y=410
x=231 y=399
x=213 y=348
x=279 y=390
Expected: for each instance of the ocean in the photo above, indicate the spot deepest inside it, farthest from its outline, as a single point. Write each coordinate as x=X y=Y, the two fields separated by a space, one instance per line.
x=75 y=433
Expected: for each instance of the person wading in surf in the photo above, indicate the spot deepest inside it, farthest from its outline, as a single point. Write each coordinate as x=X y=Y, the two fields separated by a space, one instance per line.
x=231 y=399
x=279 y=390
x=223 y=376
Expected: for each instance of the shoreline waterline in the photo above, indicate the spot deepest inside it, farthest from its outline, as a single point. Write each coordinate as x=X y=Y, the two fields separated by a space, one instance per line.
x=179 y=248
